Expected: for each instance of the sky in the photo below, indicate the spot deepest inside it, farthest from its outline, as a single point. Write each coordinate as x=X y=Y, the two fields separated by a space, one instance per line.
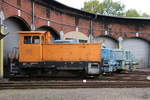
x=140 y=5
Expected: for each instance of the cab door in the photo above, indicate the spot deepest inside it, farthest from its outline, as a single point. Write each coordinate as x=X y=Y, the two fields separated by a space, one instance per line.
x=30 y=48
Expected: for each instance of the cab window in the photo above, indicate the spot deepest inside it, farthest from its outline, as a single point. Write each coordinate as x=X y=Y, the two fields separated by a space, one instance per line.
x=27 y=39
x=35 y=40
x=31 y=40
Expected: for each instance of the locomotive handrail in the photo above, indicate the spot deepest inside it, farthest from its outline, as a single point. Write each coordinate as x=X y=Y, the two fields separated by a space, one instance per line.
x=14 y=53
x=2 y=36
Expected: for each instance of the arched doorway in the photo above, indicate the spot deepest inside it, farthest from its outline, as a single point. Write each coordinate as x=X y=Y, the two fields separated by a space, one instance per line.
x=76 y=35
x=140 y=49
x=108 y=41
x=13 y=23
x=54 y=33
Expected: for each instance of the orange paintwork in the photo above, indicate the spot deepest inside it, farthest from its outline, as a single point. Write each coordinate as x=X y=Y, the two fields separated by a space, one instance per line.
x=30 y=52
x=72 y=52
x=46 y=51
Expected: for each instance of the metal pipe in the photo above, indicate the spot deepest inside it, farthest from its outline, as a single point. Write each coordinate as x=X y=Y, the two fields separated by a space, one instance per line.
x=149 y=56
x=33 y=24
x=91 y=30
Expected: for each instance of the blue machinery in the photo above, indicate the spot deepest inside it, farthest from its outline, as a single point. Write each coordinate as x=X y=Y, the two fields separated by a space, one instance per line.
x=109 y=59
x=124 y=60
x=66 y=41
x=117 y=59
x=130 y=61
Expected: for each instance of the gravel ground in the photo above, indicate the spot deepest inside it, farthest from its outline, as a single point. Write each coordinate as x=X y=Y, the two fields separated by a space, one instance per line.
x=77 y=94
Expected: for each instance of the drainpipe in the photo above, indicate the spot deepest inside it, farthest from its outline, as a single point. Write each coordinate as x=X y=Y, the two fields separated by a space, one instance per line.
x=91 y=31
x=149 y=56
x=32 y=24
x=91 y=28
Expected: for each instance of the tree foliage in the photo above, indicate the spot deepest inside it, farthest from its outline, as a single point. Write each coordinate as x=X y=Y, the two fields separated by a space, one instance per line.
x=107 y=7
x=113 y=8
x=110 y=8
x=132 y=13
x=93 y=6
x=145 y=15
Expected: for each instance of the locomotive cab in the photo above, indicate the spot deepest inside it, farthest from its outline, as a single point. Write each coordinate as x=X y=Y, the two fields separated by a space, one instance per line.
x=30 y=45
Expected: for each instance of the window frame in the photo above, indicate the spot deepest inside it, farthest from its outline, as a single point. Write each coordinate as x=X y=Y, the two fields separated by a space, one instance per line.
x=31 y=40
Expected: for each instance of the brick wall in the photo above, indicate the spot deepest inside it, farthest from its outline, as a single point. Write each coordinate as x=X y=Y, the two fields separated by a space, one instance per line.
x=62 y=21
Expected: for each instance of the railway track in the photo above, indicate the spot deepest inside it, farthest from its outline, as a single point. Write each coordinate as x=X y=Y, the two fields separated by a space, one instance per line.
x=74 y=84
x=124 y=80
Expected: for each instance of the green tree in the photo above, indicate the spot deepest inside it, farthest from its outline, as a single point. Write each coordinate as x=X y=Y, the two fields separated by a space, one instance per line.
x=107 y=7
x=145 y=15
x=93 y=6
x=113 y=8
x=132 y=13
x=110 y=8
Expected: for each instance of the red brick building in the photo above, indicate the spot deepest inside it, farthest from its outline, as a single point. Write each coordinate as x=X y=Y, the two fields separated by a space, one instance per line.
x=56 y=17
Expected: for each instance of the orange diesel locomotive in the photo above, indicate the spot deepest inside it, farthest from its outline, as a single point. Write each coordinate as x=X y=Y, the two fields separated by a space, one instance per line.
x=37 y=54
